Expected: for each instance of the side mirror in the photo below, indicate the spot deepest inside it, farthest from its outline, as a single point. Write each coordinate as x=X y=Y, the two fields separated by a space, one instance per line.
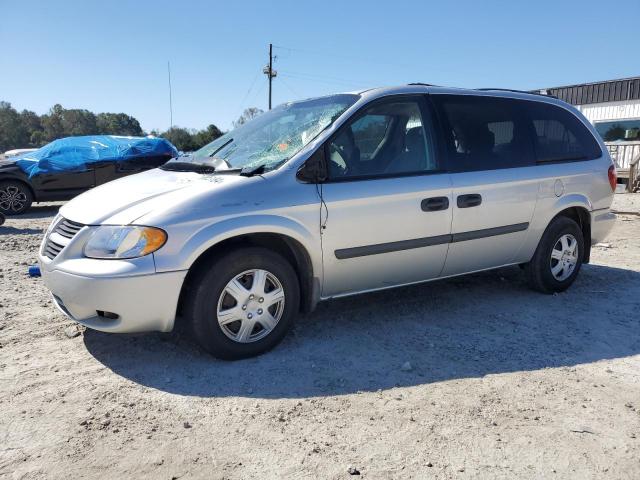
x=314 y=170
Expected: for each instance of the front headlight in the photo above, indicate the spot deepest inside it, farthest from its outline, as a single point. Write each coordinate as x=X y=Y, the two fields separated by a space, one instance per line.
x=119 y=242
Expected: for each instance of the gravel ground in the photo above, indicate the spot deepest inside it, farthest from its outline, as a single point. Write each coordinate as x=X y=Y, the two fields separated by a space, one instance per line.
x=473 y=377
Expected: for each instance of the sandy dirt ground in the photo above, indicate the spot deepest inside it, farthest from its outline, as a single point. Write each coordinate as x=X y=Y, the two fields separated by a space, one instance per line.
x=501 y=383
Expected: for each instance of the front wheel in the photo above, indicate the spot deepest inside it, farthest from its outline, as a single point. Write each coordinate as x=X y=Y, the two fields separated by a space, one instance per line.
x=15 y=197
x=243 y=303
x=558 y=258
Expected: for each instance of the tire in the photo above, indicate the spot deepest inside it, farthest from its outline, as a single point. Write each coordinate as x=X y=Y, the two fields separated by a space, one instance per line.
x=214 y=305
x=15 y=197
x=554 y=266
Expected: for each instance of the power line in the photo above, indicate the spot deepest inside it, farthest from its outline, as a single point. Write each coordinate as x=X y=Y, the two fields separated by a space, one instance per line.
x=351 y=58
x=290 y=89
x=327 y=77
x=324 y=81
x=246 y=95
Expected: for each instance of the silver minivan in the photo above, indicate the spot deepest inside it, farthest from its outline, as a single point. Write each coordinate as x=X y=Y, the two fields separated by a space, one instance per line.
x=329 y=197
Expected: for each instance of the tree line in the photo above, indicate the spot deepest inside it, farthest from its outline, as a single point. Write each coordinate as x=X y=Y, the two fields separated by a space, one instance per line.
x=26 y=129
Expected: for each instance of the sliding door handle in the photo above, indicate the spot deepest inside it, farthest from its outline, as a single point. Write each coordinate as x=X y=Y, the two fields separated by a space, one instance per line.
x=470 y=200
x=434 y=204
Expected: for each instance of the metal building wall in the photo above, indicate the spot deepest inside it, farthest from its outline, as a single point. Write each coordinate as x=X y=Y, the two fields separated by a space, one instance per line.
x=600 y=92
x=599 y=112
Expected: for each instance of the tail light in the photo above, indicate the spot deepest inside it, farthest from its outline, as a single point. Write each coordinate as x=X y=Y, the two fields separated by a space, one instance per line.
x=613 y=177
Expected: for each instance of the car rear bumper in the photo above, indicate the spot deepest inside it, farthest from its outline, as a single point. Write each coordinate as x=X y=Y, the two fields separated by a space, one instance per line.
x=117 y=304
x=602 y=222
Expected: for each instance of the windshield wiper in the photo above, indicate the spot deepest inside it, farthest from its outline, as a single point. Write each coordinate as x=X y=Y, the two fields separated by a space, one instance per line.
x=221 y=147
x=188 y=167
x=254 y=170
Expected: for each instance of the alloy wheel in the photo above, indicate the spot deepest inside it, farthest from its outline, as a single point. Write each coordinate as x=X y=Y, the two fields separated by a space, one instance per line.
x=12 y=199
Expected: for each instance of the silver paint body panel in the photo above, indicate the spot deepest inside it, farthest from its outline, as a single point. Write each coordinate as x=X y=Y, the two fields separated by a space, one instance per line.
x=199 y=211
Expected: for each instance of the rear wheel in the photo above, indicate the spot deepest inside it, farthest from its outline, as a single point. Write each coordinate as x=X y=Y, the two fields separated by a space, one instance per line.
x=558 y=258
x=15 y=197
x=243 y=303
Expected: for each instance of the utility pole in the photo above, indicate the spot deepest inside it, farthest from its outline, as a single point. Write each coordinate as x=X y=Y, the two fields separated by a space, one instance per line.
x=170 y=99
x=269 y=71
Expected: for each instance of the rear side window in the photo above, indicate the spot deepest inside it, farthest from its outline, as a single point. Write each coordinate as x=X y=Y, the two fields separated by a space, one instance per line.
x=484 y=133
x=560 y=135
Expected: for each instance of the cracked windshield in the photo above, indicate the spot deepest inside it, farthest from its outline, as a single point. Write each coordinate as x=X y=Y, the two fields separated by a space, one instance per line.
x=269 y=140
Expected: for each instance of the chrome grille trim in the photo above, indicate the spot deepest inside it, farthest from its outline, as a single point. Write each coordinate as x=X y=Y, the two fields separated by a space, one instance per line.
x=59 y=237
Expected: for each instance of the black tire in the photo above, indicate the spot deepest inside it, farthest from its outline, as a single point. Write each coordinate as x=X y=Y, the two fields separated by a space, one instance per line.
x=539 y=270
x=15 y=197
x=207 y=286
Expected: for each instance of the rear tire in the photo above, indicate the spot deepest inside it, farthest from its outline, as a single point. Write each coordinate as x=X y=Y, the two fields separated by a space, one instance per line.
x=558 y=258
x=242 y=304
x=15 y=197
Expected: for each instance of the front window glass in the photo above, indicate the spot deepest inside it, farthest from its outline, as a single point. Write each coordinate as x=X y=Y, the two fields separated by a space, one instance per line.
x=272 y=138
x=387 y=139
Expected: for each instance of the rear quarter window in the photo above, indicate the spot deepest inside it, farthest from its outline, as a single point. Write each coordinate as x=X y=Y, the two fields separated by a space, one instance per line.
x=559 y=135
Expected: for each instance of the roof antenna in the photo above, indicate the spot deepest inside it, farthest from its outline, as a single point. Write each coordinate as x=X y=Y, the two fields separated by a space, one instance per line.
x=170 y=99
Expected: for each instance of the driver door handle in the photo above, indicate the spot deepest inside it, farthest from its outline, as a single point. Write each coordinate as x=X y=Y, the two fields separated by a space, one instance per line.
x=434 y=204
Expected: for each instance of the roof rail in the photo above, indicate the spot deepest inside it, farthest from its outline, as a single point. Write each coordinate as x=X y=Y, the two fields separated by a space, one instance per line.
x=424 y=84
x=530 y=92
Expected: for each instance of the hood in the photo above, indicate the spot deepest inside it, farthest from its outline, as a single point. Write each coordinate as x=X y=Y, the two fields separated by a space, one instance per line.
x=123 y=201
x=8 y=163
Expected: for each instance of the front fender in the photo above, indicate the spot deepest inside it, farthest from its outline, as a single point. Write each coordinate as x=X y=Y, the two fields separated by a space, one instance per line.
x=184 y=255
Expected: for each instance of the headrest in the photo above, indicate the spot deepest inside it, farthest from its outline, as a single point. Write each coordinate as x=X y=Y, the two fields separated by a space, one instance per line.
x=480 y=140
x=413 y=139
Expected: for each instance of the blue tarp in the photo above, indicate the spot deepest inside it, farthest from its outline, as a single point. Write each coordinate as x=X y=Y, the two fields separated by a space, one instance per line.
x=76 y=153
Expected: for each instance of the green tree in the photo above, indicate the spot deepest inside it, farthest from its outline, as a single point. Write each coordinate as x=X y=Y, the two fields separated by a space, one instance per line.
x=79 y=122
x=33 y=125
x=118 y=124
x=181 y=138
x=52 y=123
x=208 y=135
x=13 y=133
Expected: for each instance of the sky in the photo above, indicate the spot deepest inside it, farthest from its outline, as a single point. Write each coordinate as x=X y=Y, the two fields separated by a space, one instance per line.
x=112 y=56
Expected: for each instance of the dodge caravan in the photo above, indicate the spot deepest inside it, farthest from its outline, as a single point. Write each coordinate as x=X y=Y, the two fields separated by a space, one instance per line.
x=329 y=197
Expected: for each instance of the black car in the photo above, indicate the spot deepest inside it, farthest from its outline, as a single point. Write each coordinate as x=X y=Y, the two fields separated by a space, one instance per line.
x=69 y=166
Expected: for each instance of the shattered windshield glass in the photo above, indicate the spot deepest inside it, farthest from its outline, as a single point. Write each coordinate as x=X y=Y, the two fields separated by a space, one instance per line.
x=269 y=140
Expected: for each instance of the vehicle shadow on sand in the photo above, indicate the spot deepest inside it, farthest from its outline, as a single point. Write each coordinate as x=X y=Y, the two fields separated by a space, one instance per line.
x=471 y=326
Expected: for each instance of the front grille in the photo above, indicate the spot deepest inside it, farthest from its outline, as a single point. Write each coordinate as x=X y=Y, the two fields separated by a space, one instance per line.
x=59 y=237
x=52 y=249
x=67 y=228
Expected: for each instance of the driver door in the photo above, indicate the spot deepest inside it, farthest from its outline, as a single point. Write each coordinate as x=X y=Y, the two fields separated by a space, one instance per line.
x=388 y=215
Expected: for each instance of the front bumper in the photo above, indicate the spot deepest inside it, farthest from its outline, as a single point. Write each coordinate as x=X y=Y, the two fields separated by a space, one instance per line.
x=123 y=304
x=602 y=222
